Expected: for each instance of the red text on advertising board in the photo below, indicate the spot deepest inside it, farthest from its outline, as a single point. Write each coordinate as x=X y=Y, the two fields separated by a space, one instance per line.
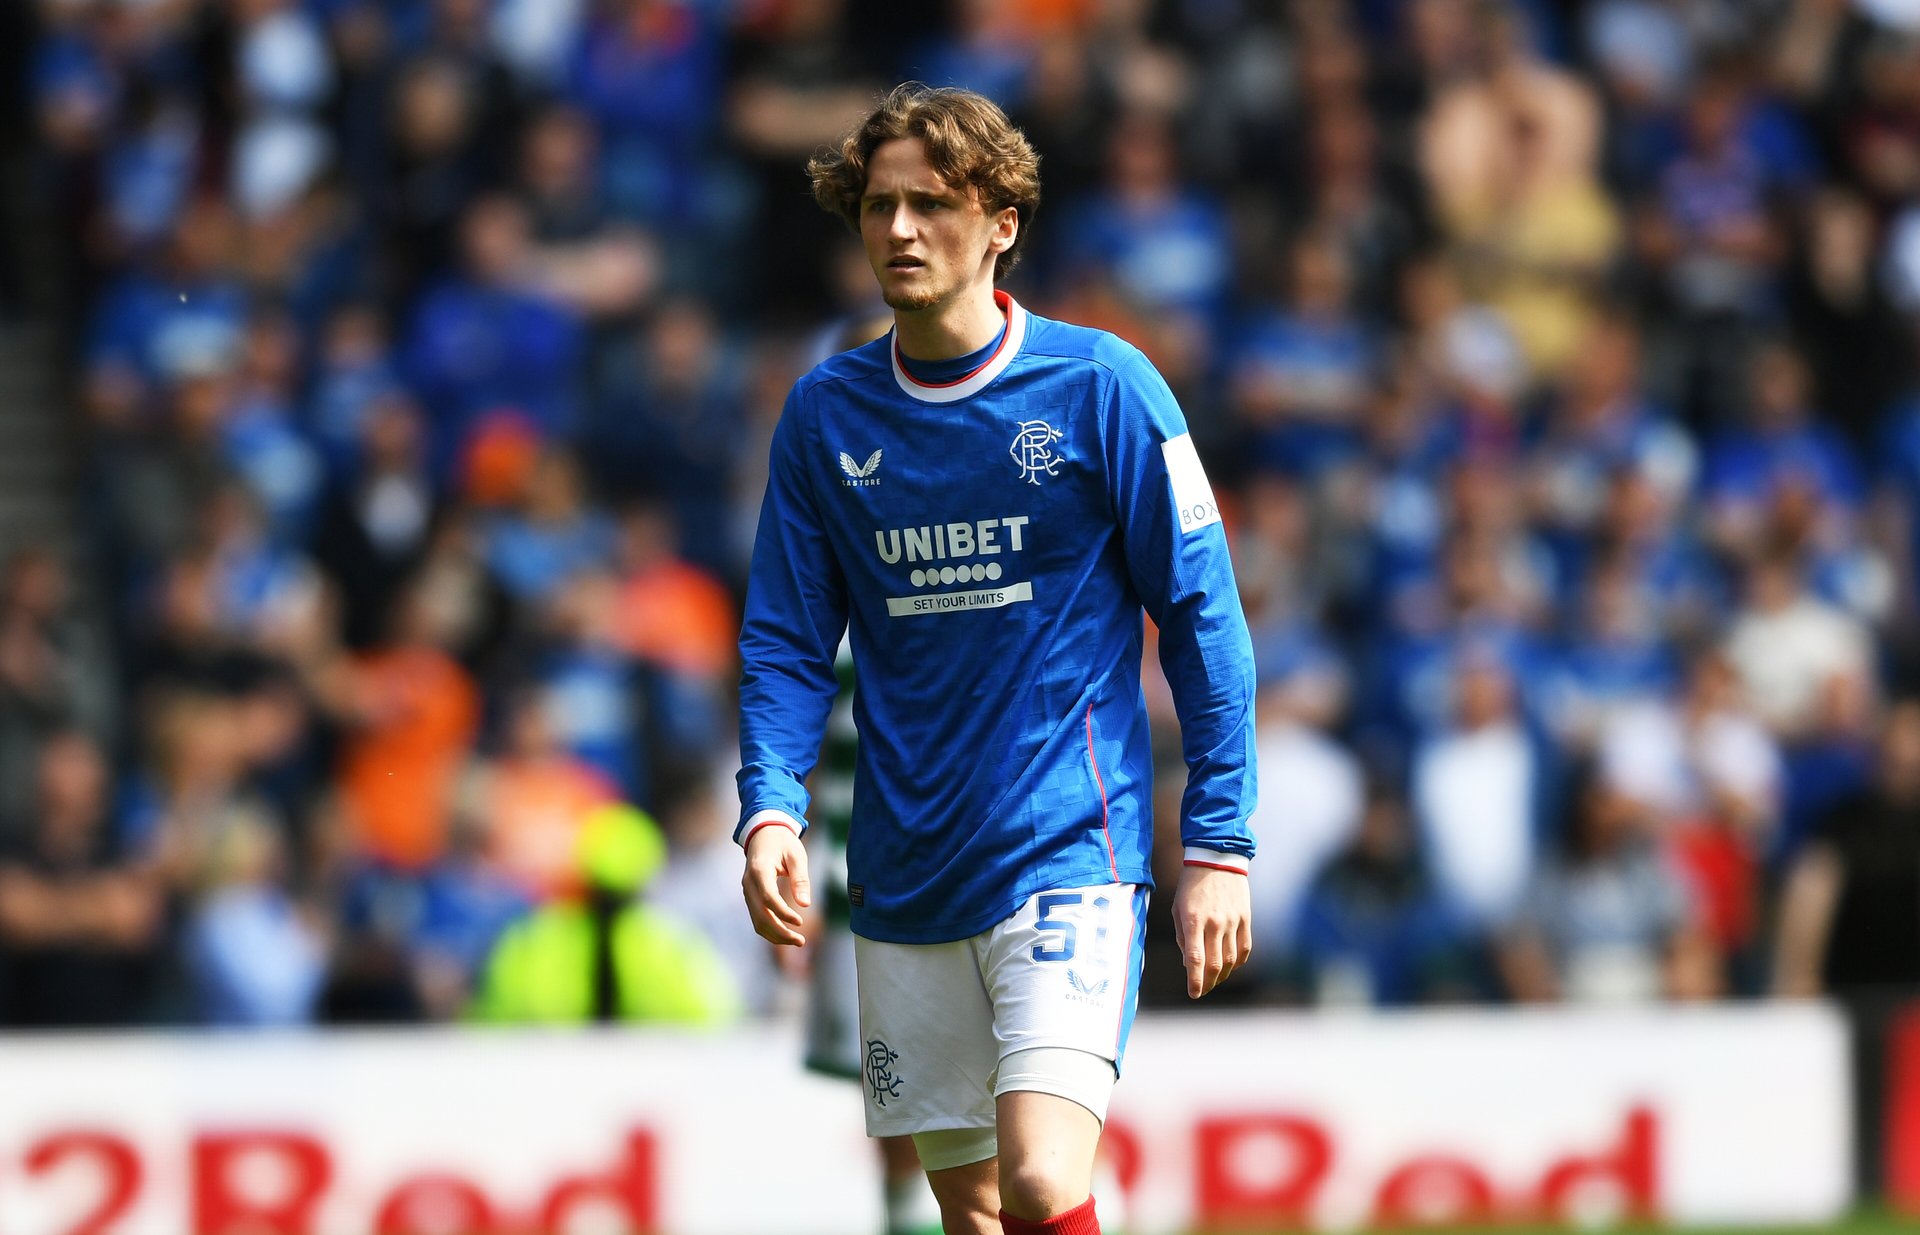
x=226 y=1170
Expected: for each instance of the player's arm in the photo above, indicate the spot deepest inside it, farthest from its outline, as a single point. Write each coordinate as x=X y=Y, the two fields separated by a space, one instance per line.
x=1177 y=556
x=795 y=614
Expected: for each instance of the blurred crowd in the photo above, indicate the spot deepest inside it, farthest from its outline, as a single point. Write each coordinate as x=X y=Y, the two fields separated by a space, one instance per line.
x=1554 y=361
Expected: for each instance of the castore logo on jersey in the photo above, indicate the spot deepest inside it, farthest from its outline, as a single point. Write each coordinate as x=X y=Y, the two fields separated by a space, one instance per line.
x=860 y=474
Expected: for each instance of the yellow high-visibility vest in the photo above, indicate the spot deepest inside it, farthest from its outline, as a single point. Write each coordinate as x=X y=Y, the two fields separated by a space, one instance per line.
x=541 y=971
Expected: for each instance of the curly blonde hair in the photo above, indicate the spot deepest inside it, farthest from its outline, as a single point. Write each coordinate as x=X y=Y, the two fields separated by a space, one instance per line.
x=969 y=142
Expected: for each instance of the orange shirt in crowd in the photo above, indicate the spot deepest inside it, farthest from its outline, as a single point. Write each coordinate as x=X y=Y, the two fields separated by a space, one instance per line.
x=419 y=712
x=534 y=810
x=1032 y=19
x=678 y=616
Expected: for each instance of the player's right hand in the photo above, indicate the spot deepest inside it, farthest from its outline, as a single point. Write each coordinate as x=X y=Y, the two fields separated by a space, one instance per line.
x=776 y=885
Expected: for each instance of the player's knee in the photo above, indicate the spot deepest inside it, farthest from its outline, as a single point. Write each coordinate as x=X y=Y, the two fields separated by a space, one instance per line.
x=1038 y=1188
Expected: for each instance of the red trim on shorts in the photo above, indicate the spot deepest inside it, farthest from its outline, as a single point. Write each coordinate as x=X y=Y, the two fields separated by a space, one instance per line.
x=1112 y=864
x=1214 y=866
x=1005 y=303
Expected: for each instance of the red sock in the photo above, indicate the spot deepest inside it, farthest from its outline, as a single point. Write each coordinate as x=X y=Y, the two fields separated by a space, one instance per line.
x=1076 y=1221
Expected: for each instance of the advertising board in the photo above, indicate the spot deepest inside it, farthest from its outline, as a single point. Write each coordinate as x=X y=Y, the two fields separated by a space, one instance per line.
x=1732 y=1116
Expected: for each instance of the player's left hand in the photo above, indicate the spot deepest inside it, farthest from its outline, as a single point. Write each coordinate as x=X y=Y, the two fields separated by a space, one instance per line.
x=1213 y=924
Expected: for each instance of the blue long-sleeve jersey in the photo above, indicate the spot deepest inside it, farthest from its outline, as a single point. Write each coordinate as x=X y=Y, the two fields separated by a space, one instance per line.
x=989 y=546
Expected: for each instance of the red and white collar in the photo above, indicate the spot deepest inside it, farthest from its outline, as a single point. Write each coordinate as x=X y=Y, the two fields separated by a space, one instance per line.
x=970 y=383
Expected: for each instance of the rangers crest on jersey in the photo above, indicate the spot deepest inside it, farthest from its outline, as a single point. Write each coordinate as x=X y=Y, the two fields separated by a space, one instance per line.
x=860 y=473
x=1033 y=450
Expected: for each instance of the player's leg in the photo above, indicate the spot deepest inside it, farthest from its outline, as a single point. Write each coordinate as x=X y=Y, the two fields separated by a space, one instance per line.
x=969 y=1194
x=1064 y=975
x=928 y=1054
x=1047 y=1148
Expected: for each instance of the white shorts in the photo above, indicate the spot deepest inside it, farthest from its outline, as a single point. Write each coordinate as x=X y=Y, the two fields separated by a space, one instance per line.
x=937 y=1019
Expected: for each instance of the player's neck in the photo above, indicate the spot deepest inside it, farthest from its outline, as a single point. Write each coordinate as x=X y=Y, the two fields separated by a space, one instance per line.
x=945 y=331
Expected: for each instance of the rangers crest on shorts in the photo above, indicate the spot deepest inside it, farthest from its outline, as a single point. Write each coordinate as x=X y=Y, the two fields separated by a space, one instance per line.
x=879 y=1071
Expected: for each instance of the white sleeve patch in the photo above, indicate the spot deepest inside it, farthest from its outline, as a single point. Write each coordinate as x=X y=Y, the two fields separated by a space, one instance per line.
x=1193 y=500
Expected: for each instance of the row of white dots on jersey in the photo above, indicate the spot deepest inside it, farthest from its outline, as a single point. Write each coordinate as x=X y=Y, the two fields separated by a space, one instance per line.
x=975 y=573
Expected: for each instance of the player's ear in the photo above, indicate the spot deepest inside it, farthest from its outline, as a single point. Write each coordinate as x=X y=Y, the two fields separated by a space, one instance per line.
x=1006 y=229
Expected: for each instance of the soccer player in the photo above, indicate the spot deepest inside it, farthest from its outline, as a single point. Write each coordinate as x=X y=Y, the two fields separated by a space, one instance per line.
x=984 y=501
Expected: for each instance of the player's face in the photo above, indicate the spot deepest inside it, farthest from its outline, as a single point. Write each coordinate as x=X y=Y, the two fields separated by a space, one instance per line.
x=928 y=241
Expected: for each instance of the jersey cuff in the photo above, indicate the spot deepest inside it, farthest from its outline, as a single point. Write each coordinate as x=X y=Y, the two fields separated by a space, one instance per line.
x=760 y=819
x=1215 y=859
